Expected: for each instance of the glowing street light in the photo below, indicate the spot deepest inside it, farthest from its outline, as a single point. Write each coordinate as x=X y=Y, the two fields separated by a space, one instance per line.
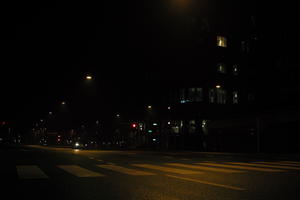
x=88 y=77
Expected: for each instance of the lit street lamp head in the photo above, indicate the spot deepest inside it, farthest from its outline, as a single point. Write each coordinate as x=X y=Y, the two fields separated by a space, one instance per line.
x=88 y=77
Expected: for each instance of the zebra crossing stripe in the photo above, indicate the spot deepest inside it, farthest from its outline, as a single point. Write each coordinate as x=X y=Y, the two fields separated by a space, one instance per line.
x=266 y=165
x=241 y=167
x=272 y=166
x=79 y=171
x=279 y=163
x=124 y=170
x=207 y=183
x=204 y=168
x=291 y=162
x=167 y=169
x=30 y=172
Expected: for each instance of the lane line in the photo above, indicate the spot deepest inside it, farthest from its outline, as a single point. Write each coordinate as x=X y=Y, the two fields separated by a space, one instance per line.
x=265 y=165
x=205 y=168
x=79 y=171
x=279 y=163
x=292 y=162
x=167 y=169
x=30 y=172
x=208 y=183
x=125 y=170
x=241 y=167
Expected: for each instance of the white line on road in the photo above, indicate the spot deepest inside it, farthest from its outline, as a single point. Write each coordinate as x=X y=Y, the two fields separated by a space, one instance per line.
x=79 y=171
x=241 y=167
x=207 y=183
x=167 y=169
x=30 y=172
x=205 y=168
x=267 y=165
x=125 y=170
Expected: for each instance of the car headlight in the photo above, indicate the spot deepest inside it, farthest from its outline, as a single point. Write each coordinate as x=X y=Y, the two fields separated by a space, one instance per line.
x=76 y=144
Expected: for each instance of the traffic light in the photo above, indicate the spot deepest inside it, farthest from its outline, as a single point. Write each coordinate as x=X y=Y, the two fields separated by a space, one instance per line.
x=134 y=125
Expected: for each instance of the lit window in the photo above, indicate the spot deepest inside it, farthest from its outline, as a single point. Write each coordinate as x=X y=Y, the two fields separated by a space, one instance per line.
x=235 y=97
x=218 y=95
x=221 y=68
x=235 y=69
x=221 y=41
x=221 y=96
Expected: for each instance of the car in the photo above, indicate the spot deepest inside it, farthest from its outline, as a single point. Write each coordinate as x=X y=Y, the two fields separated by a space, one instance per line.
x=78 y=145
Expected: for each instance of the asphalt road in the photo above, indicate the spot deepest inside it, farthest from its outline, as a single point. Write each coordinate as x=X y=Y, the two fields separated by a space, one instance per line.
x=35 y=172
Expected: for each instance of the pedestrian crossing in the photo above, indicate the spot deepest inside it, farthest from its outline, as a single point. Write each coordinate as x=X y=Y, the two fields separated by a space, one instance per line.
x=30 y=172
x=79 y=171
x=169 y=169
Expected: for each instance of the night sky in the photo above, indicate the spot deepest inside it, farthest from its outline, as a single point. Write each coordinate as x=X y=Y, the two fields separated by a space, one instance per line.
x=48 y=47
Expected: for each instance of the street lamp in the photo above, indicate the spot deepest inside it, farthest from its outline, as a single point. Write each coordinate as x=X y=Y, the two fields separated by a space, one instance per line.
x=88 y=77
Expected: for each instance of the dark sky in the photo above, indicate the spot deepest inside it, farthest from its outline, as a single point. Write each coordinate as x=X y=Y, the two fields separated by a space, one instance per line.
x=48 y=46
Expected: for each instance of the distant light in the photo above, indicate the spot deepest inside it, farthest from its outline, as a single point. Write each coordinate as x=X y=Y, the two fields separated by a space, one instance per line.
x=118 y=115
x=154 y=124
x=89 y=77
x=41 y=120
x=63 y=103
x=133 y=125
x=218 y=86
x=149 y=131
x=169 y=107
x=76 y=144
x=97 y=122
x=149 y=107
x=153 y=139
x=50 y=113
x=169 y=123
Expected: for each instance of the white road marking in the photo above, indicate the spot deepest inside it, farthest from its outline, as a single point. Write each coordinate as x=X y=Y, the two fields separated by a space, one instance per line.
x=205 y=168
x=207 y=183
x=240 y=167
x=30 y=172
x=79 y=171
x=125 y=170
x=167 y=169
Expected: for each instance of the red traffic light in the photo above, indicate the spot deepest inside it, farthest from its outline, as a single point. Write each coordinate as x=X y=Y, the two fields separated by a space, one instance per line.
x=133 y=125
